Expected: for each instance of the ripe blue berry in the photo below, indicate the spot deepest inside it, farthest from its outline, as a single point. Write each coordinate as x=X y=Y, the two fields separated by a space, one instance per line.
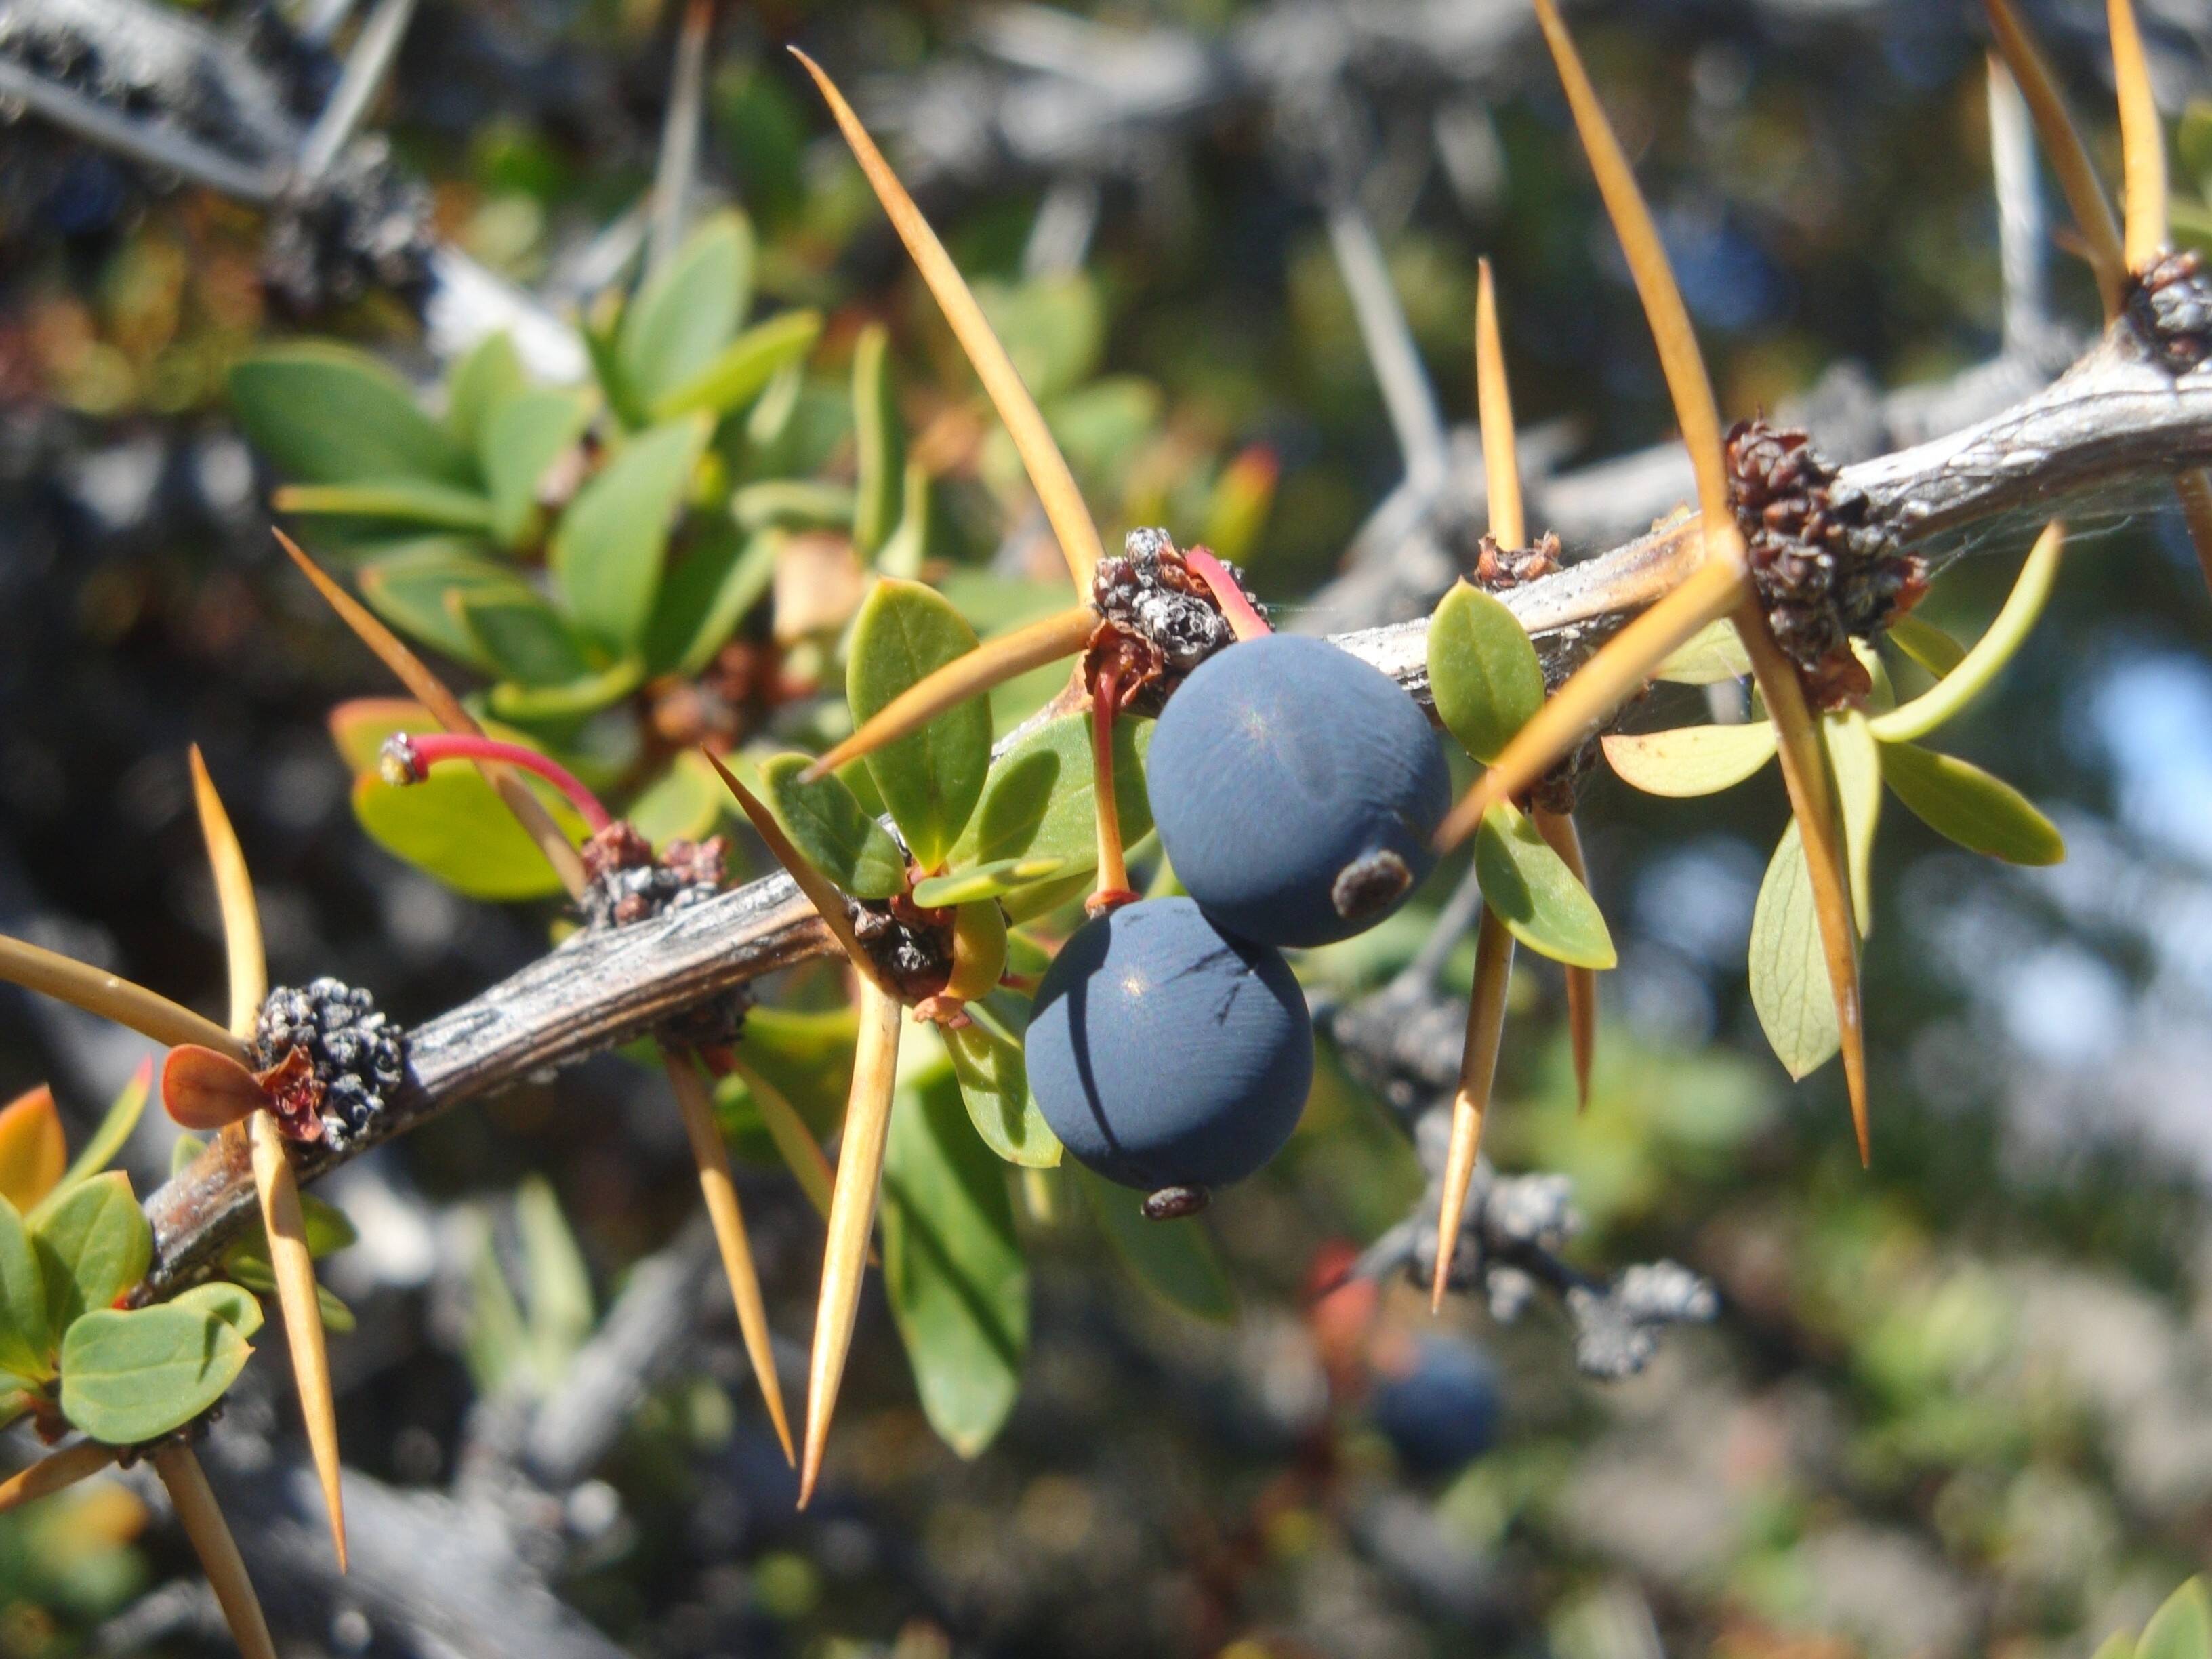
x=1441 y=1413
x=1165 y=1052
x=1296 y=788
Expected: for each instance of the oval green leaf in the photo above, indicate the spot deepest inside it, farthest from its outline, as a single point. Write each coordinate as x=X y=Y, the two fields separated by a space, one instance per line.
x=453 y=827
x=490 y=372
x=411 y=503
x=325 y=414
x=233 y=1304
x=1855 y=758
x=703 y=597
x=607 y=553
x=930 y=780
x=878 y=441
x=827 y=823
x=1712 y=656
x=742 y=370
x=1690 y=760
x=1926 y=644
x=1483 y=671
x=1990 y=652
x=524 y=638
x=1039 y=800
x=688 y=310
x=127 y=1377
x=1958 y=801
x=1533 y=893
x=26 y=1331
x=523 y=436
x=412 y=588
x=2181 y=1628
x=686 y=801
x=1788 y=970
x=94 y=1245
x=986 y=881
x=987 y=1061
x=953 y=1269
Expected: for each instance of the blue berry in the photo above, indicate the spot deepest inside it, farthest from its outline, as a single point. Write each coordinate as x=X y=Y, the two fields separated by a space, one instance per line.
x=1165 y=1052
x=1296 y=788
x=1442 y=1413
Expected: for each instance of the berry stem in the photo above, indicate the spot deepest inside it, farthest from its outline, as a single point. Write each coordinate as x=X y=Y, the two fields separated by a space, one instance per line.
x=1248 y=623
x=1114 y=888
x=409 y=756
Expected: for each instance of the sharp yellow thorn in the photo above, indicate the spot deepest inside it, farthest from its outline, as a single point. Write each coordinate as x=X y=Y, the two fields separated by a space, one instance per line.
x=50 y=1474
x=445 y=707
x=1501 y=462
x=1478 y=1070
x=2069 y=156
x=809 y=1164
x=303 y=1319
x=1694 y=409
x=715 y=1186
x=2195 y=489
x=1616 y=673
x=1805 y=773
x=1558 y=829
x=2142 y=140
x=98 y=992
x=990 y=664
x=202 y=1520
x=852 y=1218
x=821 y=892
x=1048 y=468
x=234 y=891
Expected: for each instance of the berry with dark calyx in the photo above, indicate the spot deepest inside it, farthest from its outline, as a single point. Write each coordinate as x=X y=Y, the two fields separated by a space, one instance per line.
x=358 y=1058
x=1165 y=1052
x=1439 y=1408
x=1295 y=789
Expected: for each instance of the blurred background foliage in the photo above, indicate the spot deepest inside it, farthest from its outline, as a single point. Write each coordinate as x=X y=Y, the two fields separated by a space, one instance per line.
x=1957 y=1404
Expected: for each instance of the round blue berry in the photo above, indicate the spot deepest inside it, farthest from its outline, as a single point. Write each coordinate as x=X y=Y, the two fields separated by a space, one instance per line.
x=1164 y=1052
x=1296 y=788
x=1441 y=1413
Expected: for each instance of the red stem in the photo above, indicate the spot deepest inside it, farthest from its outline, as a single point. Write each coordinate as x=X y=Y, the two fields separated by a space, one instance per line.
x=409 y=756
x=1112 y=872
x=1248 y=623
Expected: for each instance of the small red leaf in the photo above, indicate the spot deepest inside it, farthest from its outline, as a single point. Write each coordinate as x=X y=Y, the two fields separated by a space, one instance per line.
x=203 y=1090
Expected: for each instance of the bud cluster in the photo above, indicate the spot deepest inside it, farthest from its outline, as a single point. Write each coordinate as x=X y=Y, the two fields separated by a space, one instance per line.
x=2171 y=304
x=1149 y=591
x=1825 y=573
x=626 y=884
x=339 y=1057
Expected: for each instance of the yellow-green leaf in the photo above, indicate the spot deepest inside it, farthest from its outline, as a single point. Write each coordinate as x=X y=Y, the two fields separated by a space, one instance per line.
x=523 y=436
x=1533 y=893
x=742 y=370
x=1789 y=972
x=703 y=597
x=986 y=1059
x=130 y=1376
x=688 y=310
x=1990 y=652
x=930 y=780
x=330 y=415
x=415 y=502
x=233 y=1304
x=1690 y=760
x=414 y=588
x=489 y=373
x=2182 y=1628
x=1855 y=758
x=453 y=826
x=1926 y=644
x=1713 y=655
x=122 y=1117
x=1958 y=800
x=94 y=1246
x=1039 y=802
x=1483 y=671
x=607 y=553
x=523 y=637
x=983 y=881
x=879 y=441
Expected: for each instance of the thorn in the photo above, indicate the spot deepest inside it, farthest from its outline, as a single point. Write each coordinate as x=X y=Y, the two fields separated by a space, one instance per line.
x=202 y=1520
x=303 y=1318
x=823 y=893
x=2142 y=140
x=1478 y=1070
x=445 y=707
x=1113 y=867
x=720 y=1193
x=233 y=892
x=51 y=1473
x=990 y=664
x=1501 y=463
x=852 y=1218
x=1616 y=673
x=205 y=1090
x=98 y=992
x=1559 y=832
x=2069 y=156
x=1244 y=622
x=1047 y=467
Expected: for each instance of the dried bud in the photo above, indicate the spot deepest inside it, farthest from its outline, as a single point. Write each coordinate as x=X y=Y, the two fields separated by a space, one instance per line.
x=1149 y=594
x=628 y=884
x=329 y=1060
x=2171 y=307
x=397 y=764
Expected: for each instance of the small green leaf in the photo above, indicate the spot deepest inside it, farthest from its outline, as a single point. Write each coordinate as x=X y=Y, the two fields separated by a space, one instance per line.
x=1483 y=671
x=686 y=801
x=1712 y=656
x=1053 y=327
x=953 y=1269
x=2118 y=1645
x=703 y=597
x=907 y=549
x=93 y=1247
x=27 y=1331
x=1960 y=800
x=1039 y=800
x=490 y=372
x=986 y=881
x=1535 y=895
x=2023 y=606
x=1176 y=1260
x=411 y=502
x=791 y=504
x=412 y=586
x=233 y=1304
x=123 y=1115
x=930 y=780
x=529 y=704
x=833 y=829
x=879 y=440
x=328 y=415
x=523 y=436
x=607 y=553
x=557 y=1286
x=523 y=637
x=1926 y=644
x=688 y=310
x=453 y=826
x=127 y=1377
x=1690 y=760
x=2182 y=1628
x=1856 y=759
x=986 y=1059
x=742 y=370
x=1788 y=970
